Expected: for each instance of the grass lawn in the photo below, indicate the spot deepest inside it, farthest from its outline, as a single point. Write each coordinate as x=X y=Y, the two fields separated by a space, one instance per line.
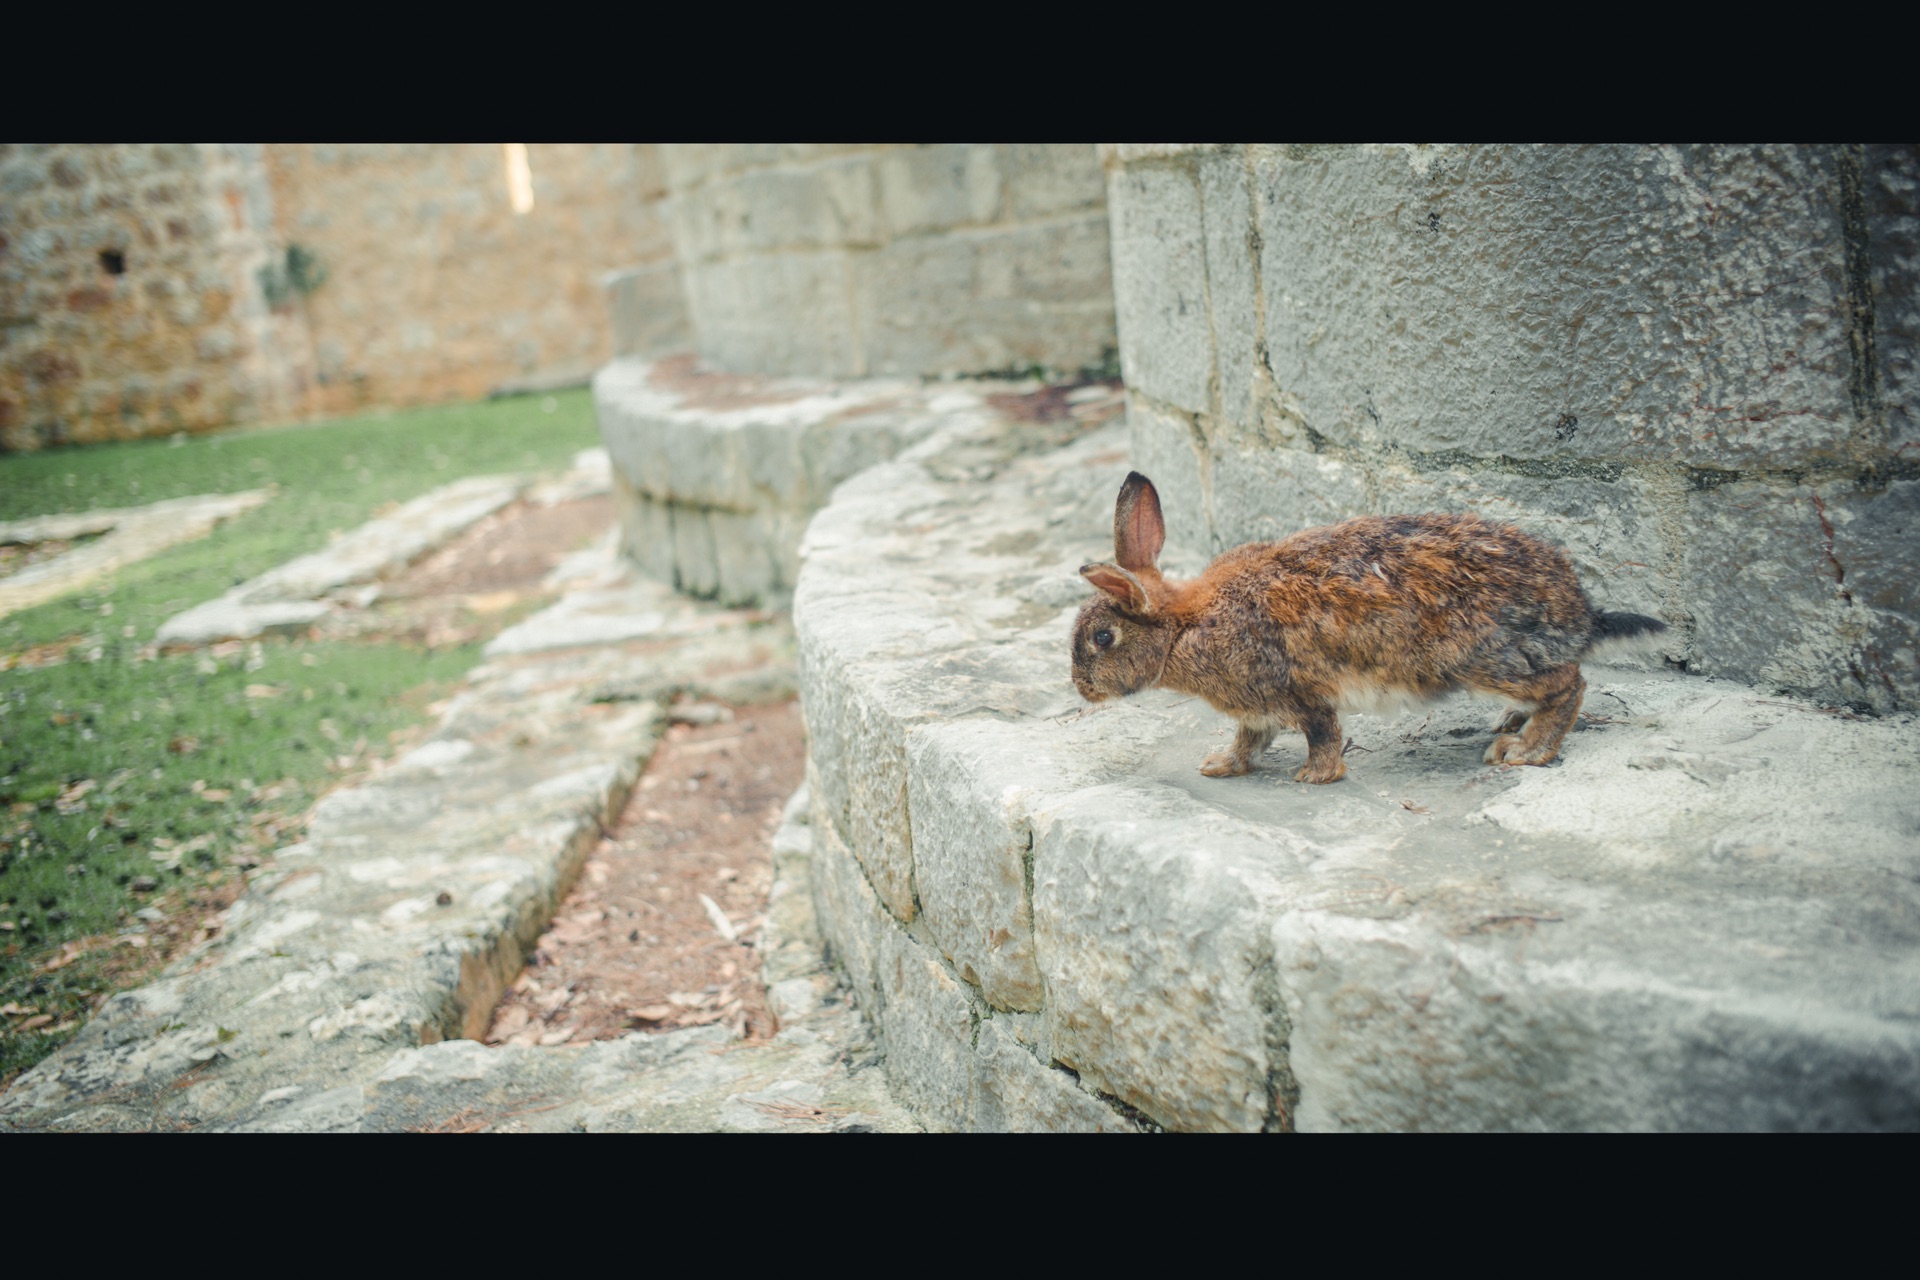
x=137 y=790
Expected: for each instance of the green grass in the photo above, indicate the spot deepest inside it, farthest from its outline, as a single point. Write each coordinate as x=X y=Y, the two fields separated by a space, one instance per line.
x=145 y=731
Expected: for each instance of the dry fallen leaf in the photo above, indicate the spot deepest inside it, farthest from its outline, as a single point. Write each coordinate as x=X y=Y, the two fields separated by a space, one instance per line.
x=510 y=1022
x=68 y=954
x=14 y=1009
x=651 y=1012
x=1411 y=807
x=38 y=1020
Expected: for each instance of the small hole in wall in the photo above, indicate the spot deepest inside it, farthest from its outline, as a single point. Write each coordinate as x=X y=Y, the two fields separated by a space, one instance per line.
x=113 y=262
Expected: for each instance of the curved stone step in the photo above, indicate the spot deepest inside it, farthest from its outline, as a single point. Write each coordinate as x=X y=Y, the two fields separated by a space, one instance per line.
x=717 y=473
x=1706 y=915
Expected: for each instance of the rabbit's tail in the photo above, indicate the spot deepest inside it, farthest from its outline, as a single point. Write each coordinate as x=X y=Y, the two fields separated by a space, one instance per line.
x=1617 y=633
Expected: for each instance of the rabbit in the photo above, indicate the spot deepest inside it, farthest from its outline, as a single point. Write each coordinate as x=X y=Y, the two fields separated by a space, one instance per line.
x=1379 y=608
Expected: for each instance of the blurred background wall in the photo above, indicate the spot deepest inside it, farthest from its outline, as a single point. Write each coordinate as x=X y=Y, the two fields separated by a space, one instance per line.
x=850 y=260
x=153 y=288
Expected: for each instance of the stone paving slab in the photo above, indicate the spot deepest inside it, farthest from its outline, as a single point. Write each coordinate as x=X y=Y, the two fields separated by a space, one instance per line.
x=298 y=593
x=816 y=1076
x=324 y=1001
x=1706 y=915
x=130 y=534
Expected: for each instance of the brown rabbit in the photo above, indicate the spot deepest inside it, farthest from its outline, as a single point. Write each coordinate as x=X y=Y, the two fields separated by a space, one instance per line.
x=1370 y=610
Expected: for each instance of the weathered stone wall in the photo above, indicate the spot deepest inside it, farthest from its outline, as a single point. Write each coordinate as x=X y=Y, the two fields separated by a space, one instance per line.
x=129 y=302
x=436 y=288
x=422 y=282
x=646 y=299
x=857 y=260
x=1694 y=367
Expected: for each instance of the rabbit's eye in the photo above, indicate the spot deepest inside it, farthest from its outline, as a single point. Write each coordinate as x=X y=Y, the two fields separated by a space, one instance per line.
x=1103 y=639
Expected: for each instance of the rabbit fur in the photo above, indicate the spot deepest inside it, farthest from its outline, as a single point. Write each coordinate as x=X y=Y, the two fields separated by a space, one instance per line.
x=1368 y=611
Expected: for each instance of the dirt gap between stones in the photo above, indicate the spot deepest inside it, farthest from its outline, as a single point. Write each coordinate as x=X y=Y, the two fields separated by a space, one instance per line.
x=633 y=945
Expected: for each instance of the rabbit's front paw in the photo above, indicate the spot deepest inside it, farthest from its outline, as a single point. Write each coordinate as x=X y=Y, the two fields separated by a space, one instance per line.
x=1225 y=764
x=1510 y=748
x=1310 y=772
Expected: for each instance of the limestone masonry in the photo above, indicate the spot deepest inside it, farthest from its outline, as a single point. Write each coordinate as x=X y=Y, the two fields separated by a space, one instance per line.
x=851 y=261
x=1692 y=366
x=152 y=288
x=1704 y=916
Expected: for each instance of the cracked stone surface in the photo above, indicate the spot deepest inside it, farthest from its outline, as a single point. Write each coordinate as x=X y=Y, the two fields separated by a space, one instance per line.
x=1706 y=915
x=129 y=534
x=346 y=986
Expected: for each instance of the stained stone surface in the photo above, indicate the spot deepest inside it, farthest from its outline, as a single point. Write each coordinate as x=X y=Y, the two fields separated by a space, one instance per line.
x=128 y=534
x=345 y=987
x=1705 y=915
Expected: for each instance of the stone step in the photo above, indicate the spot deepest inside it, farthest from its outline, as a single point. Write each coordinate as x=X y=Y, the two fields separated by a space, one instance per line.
x=717 y=473
x=1705 y=915
x=130 y=534
x=347 y=987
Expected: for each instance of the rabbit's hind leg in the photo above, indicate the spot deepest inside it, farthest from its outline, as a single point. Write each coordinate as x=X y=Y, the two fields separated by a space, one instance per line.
x=1325 y=761
x=1512 y=722
x=1555 y=696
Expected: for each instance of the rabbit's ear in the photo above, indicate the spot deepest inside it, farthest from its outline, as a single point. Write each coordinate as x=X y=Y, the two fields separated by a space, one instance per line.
x=1138 y=530
x=1118 y=583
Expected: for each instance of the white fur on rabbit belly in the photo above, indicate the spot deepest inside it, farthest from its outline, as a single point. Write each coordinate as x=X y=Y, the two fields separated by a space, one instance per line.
x=1361 y=696
x=1371 y=697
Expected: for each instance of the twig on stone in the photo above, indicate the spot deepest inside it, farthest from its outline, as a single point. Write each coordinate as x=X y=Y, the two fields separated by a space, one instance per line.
x=721 y=925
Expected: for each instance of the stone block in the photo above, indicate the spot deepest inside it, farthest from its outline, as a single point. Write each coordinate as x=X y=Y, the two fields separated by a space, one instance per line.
x=859 y=757
x=1264 y=495
x=1226 y=214
x=1891 y=191
x=932 y=188
x=929 y=1051
x=744 y=564
x=776 y=313
x=1613 y=529
x=1394 y=1033
x=649 y=310
x=1749 y=541
x=646 y=530
x=1013 y=1092
x=1160 y=285
x=991 y=300
x=696 y=567
x=1048 y=178
x=850 y=916
x=1151 y=947
x=1645 y=303
x=831 y=204
x=970 y=857
x=688 y=164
